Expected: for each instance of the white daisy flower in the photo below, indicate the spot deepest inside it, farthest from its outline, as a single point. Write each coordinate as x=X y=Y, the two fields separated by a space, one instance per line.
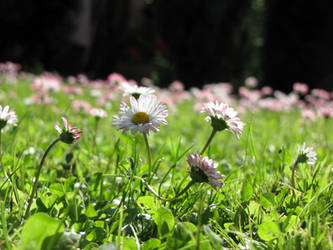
x=98 y=113
x=306 y=155
x=7 y=117
x=203 y=169
x=223 y=117
x=144 y=114
x=135 y=90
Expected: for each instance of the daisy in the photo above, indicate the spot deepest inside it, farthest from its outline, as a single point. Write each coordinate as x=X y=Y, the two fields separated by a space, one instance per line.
x=301 y=88
x=144 y=114
x=306 y=155
x=7 y=117
x=223 y=117
x=251 y=82
x=203 y=169
x=68 y=134
x=135 y=90
x=98 y=113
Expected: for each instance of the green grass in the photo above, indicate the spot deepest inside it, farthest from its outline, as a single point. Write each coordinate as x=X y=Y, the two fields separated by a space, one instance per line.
x=88 y=197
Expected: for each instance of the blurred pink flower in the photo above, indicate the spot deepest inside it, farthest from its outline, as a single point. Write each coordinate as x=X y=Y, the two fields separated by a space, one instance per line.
x=266 y=90
x=98 y=113
x=72 y=90
x=82 y=79
x=41 y=97
x=325 y=112
x=308 y=114
x=47 y=82
x=177 y=86
x=252 y=95
x=321 y=93
x=103 y=100
x=251 y=81
x=116 y=79
x=301 y=88
x=9 y=67
x=71 y=80
x=81 y=106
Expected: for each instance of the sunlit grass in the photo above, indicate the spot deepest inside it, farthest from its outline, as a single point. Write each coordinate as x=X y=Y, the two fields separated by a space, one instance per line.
x=91 y=193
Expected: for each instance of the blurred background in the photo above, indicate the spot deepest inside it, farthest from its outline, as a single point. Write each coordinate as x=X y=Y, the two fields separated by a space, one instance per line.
x=199 y=41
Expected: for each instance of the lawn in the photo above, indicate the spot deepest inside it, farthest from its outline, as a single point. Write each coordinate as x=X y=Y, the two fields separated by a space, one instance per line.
x=98 y=192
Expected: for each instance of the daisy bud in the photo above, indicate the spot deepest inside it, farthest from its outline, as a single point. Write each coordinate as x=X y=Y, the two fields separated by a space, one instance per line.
x=69 y=134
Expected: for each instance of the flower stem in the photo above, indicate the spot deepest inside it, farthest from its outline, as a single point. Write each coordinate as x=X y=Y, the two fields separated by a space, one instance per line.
x=1 y=163
x=34 y=189
x=162 y=198
x=149 y=155
x=209 y=141
x=0 y=147
x=293 y=176
x=95 y=134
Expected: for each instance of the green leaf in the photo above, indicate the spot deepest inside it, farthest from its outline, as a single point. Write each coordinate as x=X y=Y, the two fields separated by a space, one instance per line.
x=69 y=157
x=49 y=201
x=164 y=220
x=183 y=234
x=57 y=189
x=97 y=234
x=268 y=231
x=91 y=212
x=146 y=201
x=37 y=229
x=215 y=239
x=69 y=183
x=267 y=200
x=152 y=244
x=247 y=190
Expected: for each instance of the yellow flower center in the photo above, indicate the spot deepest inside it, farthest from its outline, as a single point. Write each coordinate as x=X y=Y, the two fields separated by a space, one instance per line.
x=140 y=118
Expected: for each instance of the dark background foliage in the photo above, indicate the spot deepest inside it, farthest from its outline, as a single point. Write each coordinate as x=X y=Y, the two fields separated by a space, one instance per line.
x=197 y=41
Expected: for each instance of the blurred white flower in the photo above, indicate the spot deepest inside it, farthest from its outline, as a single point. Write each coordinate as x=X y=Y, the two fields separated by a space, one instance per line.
x=7 y=117
x=135 y=90
x=98 y=113
x=306 y=155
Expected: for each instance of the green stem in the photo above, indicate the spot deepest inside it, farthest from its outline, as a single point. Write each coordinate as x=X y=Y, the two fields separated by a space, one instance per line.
x=149 y=155
x=293 y=176
x=0 y=144
x=202 y=198
x=4 y=224
x=162 y=198
x=209 y=141
x=34 y=189
x=1 y=163
x=95 y=135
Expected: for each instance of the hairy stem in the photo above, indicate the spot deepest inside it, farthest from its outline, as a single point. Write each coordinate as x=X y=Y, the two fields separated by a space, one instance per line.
x=34 y=189
x=149 y=155
x=293 y=176
x=209 y=141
